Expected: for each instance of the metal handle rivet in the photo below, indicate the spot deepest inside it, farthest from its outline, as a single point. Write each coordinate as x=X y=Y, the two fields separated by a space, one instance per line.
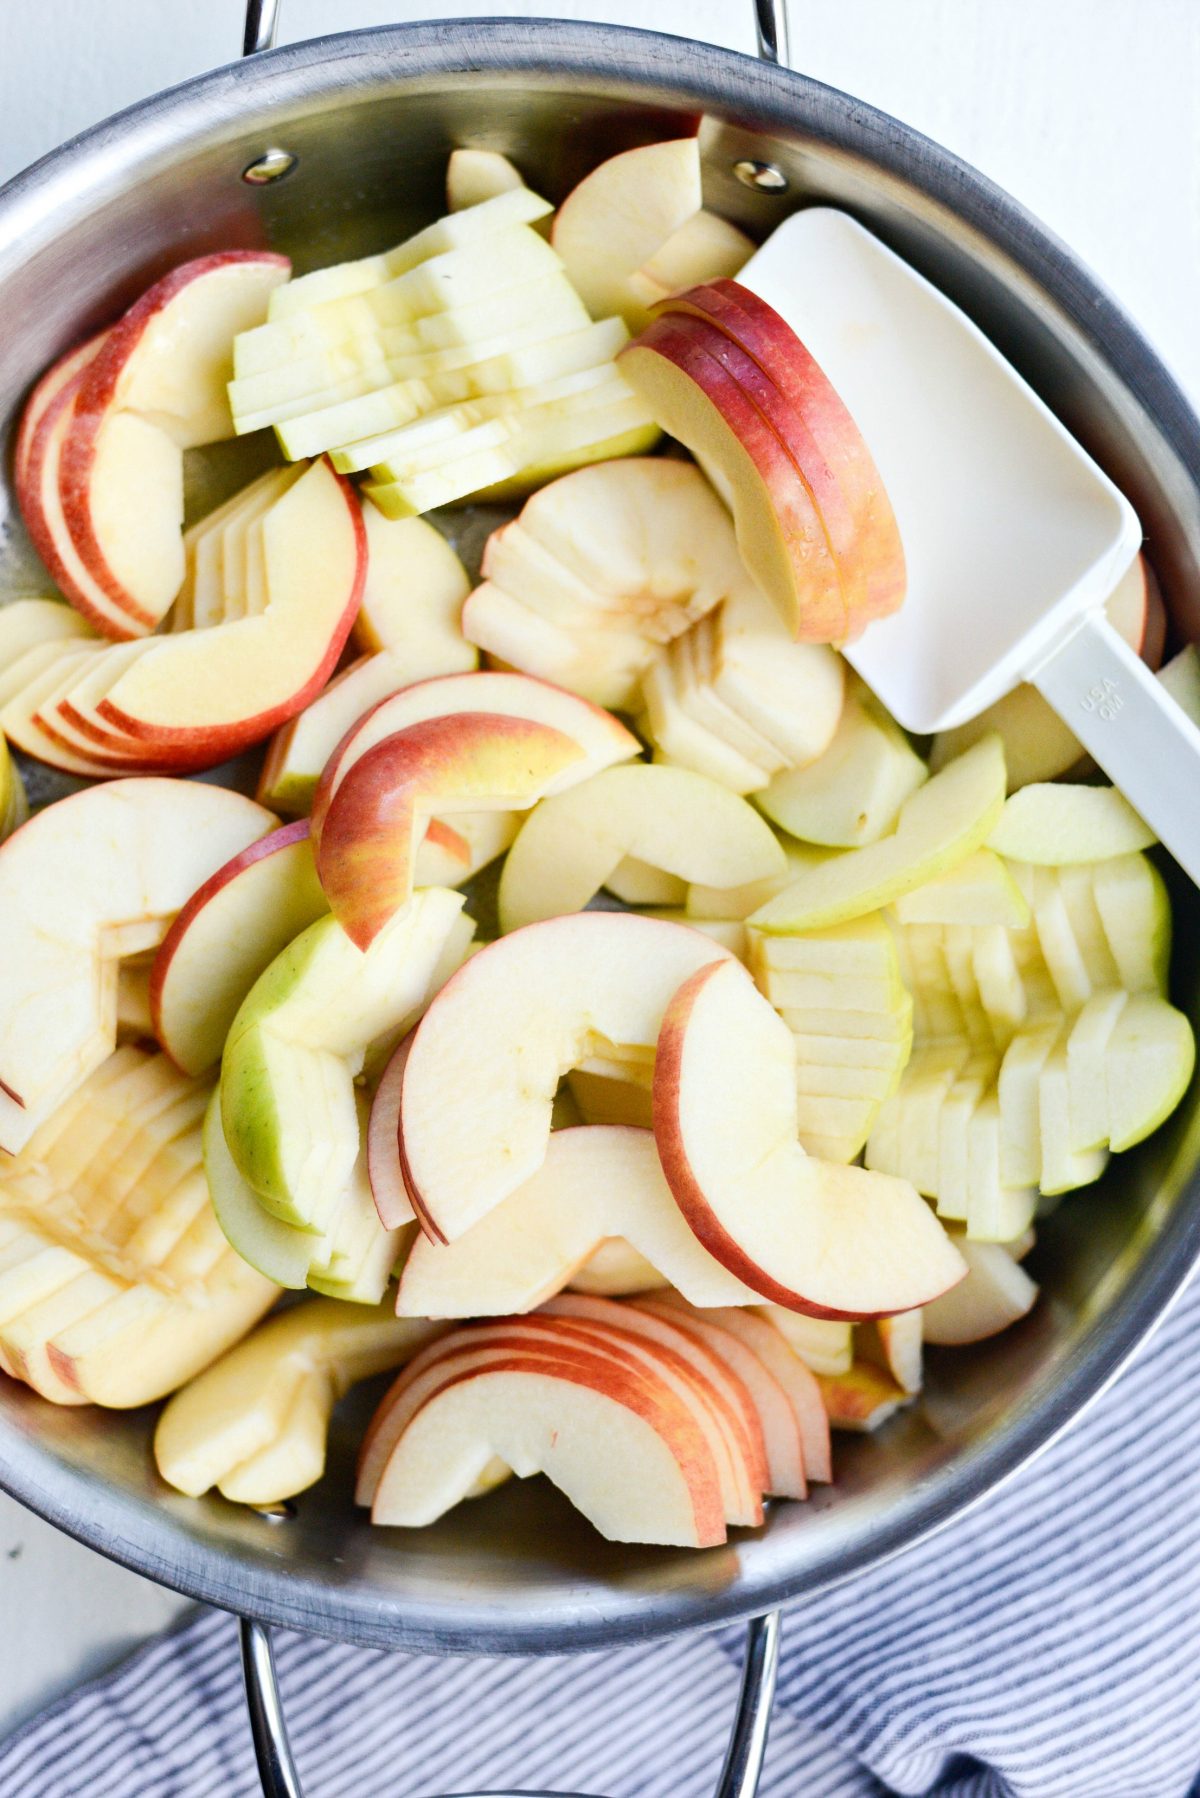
x=272 y=165
x=767 y=177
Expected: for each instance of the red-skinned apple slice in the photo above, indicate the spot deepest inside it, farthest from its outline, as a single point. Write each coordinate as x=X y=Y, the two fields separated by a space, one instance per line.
x=42 y=509
x=473 y=761
x=216 y=691
x=814 y=1237
x=231 y=928
x=783 y=1363
x=596 y=1182
x=779 y=530
x=771 y=364
x=727 y=1418
x=156 y=387
x=600 y=1360
x=788 y=1469
x=626 y=1450
x=485 y=1063
x=58 y=376
x=95 y=877
x=601 y=737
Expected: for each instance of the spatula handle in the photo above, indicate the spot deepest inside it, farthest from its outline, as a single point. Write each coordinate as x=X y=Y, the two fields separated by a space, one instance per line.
x=1144 y=742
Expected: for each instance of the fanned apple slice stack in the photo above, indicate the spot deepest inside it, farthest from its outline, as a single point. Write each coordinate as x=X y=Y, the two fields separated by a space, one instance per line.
x=727 y=376
x=100 y=453
x=658 y=1423
x=116 y=1283
x=274 y=589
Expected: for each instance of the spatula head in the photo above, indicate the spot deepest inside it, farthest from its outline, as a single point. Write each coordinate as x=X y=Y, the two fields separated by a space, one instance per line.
x=1010 y=530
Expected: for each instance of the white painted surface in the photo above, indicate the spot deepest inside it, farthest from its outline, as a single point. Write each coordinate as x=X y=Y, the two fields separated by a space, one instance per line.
x=1087 y=110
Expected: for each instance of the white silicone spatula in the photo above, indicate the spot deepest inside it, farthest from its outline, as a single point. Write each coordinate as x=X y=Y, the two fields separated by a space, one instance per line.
x=1014 y=538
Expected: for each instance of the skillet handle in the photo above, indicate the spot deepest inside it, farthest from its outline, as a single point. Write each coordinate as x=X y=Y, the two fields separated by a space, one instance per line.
x=770 y=23
x=743 y=1757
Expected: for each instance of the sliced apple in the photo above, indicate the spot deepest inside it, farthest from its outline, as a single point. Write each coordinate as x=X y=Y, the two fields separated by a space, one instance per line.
x=794 y=1228
x=304 y=1032
x=677 y=821
x=621 y=215
x=41 y=502
x=979 y=890
x=622 y=1446
x=156 y=387
x=726 y=1414
x=862 y=1399
x=602 y=740
x=14 y=807
x=596 y=1182
x=600 y=665
x=486 y=1061
x=638 y=883
x=1056 y=824
x=366 y=857
x=1148 y=1066
x=413 y=597
x=476 y=175
x=779 y=529
x=705 y=903
x=254 y=1425
x=681 y=739
x=616 y=1270
x=219 y=690
x=116 y=1282
x=705 y=247
x=824 y=1344
x=229 y=931
x=29 y=624
x=791 y=393
x=996 y=1294
x=942 y=823
x=91 y=879
x=852 y=793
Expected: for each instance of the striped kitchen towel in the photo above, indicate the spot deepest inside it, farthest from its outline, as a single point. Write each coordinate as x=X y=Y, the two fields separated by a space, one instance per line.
x=1045 y=1646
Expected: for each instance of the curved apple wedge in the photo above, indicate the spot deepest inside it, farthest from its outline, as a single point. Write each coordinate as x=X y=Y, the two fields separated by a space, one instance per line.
x=255 y=1423
x=602 y=740
x=486 y=1061
x=669 y=818
x=828 y=1240
x=621 y=214
x=303 y=1034
x=602 y=1424
x=93 y=878
x=229 y=931
x=476 y=761
x=596 y=1182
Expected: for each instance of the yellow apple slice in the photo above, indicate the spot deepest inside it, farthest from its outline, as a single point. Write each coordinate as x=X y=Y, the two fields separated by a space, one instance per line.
x=615 y=1270
x=596 y=1182
x=476 y=175
x=794 y=1228
x=621 y=214
x=862 y=1399
x=979 y=890
x=670 y=818
x=487 y=1059
x=824 y=1344
x=705 y=247
x=996 y=1294
x=1053 y=824
x=942 y=823
x=91 y=879
x=239 y=1426
x=852 y=793
x=413 y=597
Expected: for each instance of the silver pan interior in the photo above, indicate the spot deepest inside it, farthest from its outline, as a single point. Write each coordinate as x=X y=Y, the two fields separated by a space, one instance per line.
x=371 y=117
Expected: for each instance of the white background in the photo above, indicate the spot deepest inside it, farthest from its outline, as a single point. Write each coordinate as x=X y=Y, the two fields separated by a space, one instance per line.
x=1087 y=110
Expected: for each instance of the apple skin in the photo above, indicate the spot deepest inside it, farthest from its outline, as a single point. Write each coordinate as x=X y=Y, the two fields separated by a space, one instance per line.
x=799 y=573
x=698 y=1206
x=215 y=743
x=770 y=361
x=37 y=483
x=97 y=396
x=467 y=760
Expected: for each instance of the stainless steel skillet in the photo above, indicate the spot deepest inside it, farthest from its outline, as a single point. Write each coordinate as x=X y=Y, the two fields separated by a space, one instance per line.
x=337 y=147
